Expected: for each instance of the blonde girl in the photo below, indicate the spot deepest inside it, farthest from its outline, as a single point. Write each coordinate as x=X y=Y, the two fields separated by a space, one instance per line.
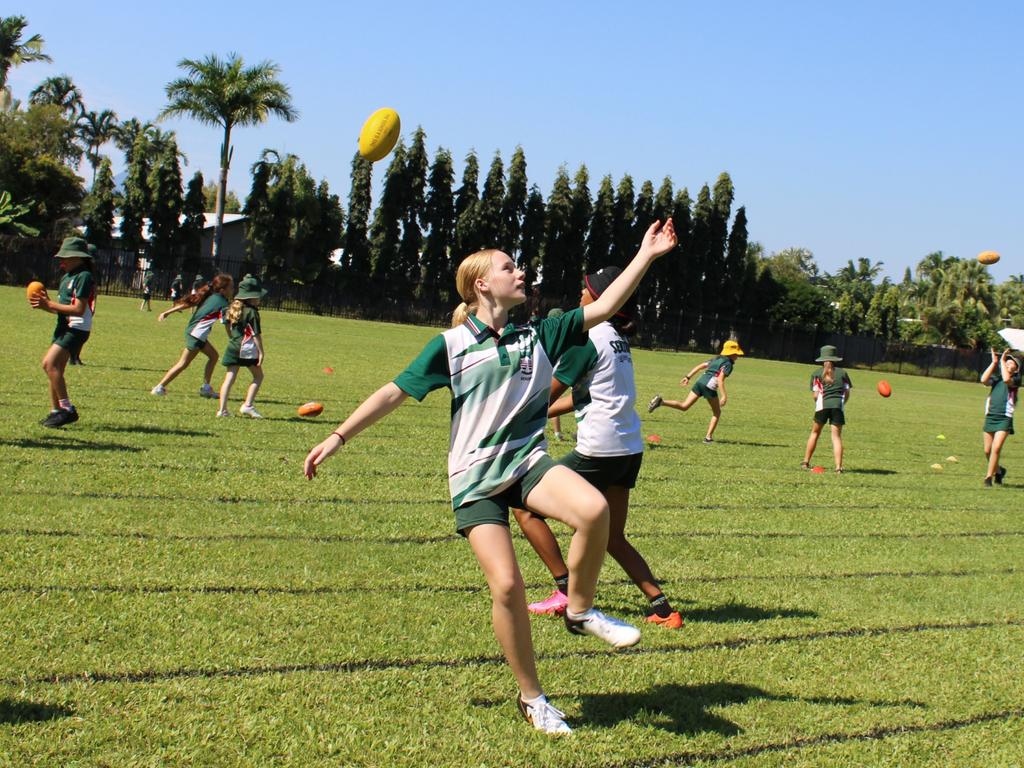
x=500 y=375
x=245 y=346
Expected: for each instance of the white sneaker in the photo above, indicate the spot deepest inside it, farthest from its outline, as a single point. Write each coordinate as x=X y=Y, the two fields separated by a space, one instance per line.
x=207 y=391
x=613 y=631
x=223 y=412
x=158 y=390
x=544 y=717
x=250 y=411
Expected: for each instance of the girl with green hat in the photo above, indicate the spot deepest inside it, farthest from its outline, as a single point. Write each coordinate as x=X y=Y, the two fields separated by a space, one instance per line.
x=76 y=302
x=710 y=386
x=830 y=387
x=245 y=346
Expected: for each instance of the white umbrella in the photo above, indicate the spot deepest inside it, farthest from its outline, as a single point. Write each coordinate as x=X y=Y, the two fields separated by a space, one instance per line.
x=1014 y=337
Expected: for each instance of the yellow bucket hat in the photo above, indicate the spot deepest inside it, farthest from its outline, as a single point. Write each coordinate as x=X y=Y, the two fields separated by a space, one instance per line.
x=731 y=347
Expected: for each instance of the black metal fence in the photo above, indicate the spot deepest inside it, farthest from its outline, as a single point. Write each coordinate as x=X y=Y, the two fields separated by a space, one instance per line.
x=119 y=273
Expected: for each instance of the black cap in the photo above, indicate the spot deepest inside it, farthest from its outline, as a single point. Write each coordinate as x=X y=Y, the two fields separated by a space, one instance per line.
x=598 y=282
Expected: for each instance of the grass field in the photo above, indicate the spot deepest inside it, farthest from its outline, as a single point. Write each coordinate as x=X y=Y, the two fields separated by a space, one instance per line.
x=174 y=592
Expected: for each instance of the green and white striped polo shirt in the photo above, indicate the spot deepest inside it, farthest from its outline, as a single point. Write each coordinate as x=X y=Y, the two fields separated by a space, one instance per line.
x=500 y=387
x=1002 y=398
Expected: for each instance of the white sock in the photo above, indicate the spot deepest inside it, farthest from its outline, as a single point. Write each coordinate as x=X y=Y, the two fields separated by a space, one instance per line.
x=532 y=702
x=579 y=616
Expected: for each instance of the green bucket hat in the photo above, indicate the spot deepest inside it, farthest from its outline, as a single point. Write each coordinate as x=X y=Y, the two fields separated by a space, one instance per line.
x=250 y=288
x=828 y=355
x=74 y=247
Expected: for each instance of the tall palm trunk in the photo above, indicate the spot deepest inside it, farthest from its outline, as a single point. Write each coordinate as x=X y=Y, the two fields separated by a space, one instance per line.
x=222 y=191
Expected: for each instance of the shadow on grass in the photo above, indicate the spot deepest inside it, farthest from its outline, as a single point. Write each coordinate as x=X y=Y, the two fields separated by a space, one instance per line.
x=753 y=443
x=870 y=472
x=155 y=431
x=62 y=443
x=736 y=612
x=683 y=709
x=15 y=712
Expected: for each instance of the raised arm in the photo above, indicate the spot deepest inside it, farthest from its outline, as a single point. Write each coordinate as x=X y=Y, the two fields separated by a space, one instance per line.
x=369 y=412
x=1006 y=375
x=659 y=240
x=987 y=373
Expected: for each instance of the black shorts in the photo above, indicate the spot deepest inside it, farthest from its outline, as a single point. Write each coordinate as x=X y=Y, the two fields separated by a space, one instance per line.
x=835 y=415
x=604 y=471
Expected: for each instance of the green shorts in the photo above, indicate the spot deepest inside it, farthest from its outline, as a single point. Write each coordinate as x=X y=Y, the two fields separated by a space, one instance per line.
x=193 y=344
x=703 y=390
x=233 y=359
x=835 y=415
x=494 y=509
x=71 y=339
x=995 y=423
x=604 y=471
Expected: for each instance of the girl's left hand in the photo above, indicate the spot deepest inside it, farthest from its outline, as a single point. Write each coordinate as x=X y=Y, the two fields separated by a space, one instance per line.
x=659 y=239
x=319 y=454
x=40 y=301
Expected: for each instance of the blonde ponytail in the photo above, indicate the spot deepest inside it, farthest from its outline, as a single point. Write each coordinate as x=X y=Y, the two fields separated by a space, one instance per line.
x=462 y=312
x=828 y=372
x=235 y=311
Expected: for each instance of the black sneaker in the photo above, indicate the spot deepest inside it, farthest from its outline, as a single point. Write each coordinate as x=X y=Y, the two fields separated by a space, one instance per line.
x=988 y=482
x=45 y=421
x=1000 y=474
x=708 y=440
x=60 y=418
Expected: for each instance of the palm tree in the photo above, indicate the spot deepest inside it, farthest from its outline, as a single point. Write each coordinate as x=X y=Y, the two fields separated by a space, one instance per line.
x=227 y=94
x=96 y=129
x=59 y=91
x=14 y=52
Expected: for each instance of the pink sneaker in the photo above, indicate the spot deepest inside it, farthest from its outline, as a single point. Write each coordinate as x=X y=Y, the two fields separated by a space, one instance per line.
x=553 y=606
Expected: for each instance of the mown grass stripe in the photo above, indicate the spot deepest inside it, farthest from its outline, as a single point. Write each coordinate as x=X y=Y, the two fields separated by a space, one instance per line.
x=443 y=538
x=805 y=742
x=256 y=589
x=377 y=665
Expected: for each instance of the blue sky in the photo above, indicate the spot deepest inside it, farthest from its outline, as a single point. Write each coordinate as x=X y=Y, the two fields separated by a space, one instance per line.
x=884 y=130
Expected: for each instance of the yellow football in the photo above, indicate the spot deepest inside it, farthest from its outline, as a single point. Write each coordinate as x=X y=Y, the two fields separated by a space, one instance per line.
x=34 y=289
x=988 y=257
x=379 y=134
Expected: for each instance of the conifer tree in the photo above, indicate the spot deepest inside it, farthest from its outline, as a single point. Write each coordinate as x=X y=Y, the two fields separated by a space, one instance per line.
x=514 y=206
x=439 y=218
x=165 y=207
x=736 y=272
x=644 y=214
x=580 y=213
x=408 y=264
x=601 y=234
x=623 y=219
x=317 y=246
x=532 y=241
x=98 y=207
x=701 y=296
x=492 y=201
x=658 y=276
x=716 y=275
x=386 y=230
x=356 y=260
x=557 y=216
x=467 y=210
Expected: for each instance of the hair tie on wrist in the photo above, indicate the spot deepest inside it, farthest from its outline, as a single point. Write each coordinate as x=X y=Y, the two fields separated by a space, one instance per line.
x=340 y=436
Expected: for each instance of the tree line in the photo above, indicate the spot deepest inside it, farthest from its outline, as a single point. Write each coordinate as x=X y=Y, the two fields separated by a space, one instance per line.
x=404 y=243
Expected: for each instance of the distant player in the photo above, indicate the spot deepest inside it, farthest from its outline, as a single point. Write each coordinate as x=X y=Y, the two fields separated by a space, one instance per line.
x=245 y=346
x=177 y=288
x=710 y=386
x=148 y=280
x=999 y=407
x=830 y=388
x=208 y=307
x=75 y=305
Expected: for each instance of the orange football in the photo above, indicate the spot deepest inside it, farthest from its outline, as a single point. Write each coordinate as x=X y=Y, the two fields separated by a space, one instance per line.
x=884 y=389
x=311 y=409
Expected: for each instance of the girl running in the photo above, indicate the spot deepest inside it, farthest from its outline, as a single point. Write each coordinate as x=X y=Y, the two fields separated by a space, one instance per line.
x=999 y=407
x=609 y=449
x=830 y=388
x=245 y=346
x=74 y=308
x=710 y=386
x=208 y=307
x=499 y=375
